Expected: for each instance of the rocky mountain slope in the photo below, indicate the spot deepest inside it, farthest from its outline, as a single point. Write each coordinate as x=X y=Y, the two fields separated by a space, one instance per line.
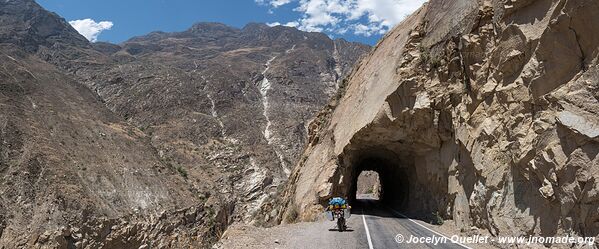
x=65 y=160
x=181 y=133
x=227 y=106
x=484 y=111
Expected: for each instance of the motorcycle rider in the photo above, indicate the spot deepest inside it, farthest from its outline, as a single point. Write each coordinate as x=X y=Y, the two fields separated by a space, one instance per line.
x=338 y=208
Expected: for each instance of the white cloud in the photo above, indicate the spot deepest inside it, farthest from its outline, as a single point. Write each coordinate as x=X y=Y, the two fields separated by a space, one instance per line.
x=272 y=24
x=361 y=29
x=90 y=29
x=277 y=3
x=362 y=17
x=293 y=24
x=273 y=3
x=289 y=24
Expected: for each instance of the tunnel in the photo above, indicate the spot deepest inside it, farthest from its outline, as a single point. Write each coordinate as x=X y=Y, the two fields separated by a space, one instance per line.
x=394 y=186
x=414 y=185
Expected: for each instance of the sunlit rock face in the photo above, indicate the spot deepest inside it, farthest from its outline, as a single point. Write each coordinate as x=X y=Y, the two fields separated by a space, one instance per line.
x=483 y=111
x=162 y=140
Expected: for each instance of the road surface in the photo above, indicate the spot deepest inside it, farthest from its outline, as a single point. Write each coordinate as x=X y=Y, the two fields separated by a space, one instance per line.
x=371 y=226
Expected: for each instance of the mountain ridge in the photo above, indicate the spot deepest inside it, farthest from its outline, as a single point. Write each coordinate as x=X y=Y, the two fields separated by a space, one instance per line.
x=166 y=134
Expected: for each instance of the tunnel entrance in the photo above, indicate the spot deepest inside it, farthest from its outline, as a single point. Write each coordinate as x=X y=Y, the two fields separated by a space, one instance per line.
x=413 y=184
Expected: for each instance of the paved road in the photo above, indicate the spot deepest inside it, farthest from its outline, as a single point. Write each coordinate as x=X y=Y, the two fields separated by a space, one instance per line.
x=385 y=225
x=371 y=226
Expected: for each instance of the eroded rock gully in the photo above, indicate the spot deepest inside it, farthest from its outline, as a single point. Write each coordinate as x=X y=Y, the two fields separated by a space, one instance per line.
x=483 y=111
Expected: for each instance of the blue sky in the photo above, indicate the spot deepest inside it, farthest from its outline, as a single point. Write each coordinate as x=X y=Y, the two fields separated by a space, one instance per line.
x=118 y=20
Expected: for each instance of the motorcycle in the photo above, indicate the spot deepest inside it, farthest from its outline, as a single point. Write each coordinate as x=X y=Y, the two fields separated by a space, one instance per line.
x=341 y=214
x=340 y=220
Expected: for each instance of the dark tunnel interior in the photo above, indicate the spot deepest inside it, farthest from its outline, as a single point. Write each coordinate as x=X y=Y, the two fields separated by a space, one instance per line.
x=409 y=185
x=394 y=189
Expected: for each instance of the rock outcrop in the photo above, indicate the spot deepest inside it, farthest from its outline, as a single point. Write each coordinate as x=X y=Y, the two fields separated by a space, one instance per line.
x=484 y=111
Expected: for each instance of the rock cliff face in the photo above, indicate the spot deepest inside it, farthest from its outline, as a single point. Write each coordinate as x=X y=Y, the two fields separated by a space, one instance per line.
x=181 y=133
x=485 y=111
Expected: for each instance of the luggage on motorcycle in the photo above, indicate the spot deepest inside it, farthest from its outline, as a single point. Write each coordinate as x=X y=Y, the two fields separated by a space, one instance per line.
x=347 y=213
x=337 y=201
x=329 y=215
